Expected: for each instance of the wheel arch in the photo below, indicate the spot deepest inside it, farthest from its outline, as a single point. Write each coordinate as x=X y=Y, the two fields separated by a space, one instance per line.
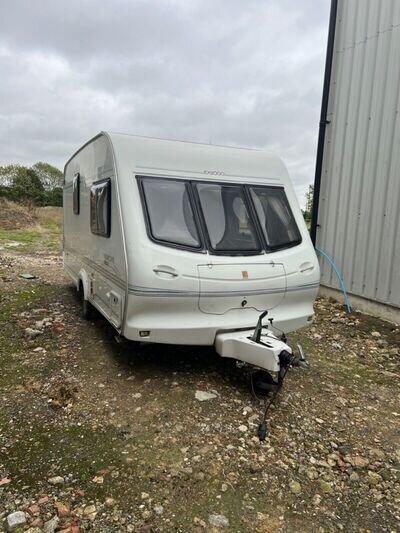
x=83 y=281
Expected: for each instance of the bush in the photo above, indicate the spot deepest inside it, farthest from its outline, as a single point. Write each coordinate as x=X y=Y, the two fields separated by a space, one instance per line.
x=39 y=185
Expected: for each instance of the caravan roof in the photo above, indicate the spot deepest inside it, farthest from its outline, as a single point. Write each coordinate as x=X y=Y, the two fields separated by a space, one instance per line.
x=146 y=155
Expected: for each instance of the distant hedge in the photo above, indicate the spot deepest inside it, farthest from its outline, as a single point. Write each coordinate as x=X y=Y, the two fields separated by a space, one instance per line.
x=39 y=185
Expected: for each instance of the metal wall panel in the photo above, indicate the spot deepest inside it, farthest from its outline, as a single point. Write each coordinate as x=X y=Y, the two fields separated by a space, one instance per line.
x=359 y=210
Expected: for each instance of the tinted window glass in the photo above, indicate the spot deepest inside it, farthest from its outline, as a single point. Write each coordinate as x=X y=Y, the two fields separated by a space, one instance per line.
x=75 y=193
x=170 y=212
x=100 y=208
x=275 y=216
x=227 y=218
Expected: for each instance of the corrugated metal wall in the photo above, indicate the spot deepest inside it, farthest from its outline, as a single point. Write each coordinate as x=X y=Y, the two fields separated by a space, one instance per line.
x=359 y=210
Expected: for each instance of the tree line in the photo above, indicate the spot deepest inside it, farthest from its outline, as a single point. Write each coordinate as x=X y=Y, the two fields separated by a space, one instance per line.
x=307 y=212
x=41 y=184
x=38 y=185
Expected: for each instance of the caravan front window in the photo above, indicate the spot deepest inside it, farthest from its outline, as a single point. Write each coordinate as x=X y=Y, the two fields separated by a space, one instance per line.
x=170 y=213
x=276 y=218
x=227 y=219
x=222 y=218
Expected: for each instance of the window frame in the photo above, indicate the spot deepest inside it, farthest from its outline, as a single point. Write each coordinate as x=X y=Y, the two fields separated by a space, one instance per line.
x=170 y=244
x=76 y=194
x=268 y=248
x=200 y=223
x=107 y=182
x=252 y=219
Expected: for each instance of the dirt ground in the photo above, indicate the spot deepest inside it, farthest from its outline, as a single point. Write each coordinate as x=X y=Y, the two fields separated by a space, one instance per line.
x=104 y=436
x=30 y=229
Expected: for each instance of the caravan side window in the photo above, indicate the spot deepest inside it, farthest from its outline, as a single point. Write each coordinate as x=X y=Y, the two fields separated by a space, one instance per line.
x=100 y=208
x=76 y=193
x=275 y=216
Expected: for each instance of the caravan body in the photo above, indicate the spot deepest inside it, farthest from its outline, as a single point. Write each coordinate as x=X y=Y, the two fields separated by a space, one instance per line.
x=177 y=242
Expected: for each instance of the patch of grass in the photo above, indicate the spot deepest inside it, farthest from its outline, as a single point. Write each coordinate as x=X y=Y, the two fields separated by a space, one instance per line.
x=30 y=240
x=43 y=232
x=53 y=245
x=19 y=301
x=43 y=450
x=25 y=236
x=50 y=218
x=12 y=364
x=53 y=226
x=40 y=444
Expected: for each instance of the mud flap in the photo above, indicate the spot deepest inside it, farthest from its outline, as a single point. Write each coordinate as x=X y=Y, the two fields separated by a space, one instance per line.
x=263 y=354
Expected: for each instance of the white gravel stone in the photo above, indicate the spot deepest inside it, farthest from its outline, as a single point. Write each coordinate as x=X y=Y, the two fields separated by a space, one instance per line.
x=32 y=333
x=56 y=480
x=203 y=396
x=316 y=500
x=15 y=520
x=51 y=525
x=218 y=520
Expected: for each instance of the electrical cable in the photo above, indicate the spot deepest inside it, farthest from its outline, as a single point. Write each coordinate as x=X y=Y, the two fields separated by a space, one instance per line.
x=262 y=428
x=339 y=277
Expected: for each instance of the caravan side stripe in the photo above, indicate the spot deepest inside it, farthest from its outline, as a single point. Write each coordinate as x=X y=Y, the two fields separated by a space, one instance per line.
x=169 y=293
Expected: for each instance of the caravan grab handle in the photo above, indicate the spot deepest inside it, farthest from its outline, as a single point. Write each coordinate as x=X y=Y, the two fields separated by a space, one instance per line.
x=165 y=270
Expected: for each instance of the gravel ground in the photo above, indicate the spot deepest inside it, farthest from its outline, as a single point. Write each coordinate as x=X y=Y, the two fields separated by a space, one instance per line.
x=104 y=436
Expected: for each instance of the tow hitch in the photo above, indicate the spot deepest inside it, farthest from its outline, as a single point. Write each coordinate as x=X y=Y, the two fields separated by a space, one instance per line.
x=263 y=350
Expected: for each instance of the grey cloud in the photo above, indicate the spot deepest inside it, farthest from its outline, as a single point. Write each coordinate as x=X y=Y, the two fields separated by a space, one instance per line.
x=228 y=72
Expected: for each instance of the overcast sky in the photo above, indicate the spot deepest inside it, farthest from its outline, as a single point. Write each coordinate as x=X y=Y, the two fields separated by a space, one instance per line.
x=242 y=73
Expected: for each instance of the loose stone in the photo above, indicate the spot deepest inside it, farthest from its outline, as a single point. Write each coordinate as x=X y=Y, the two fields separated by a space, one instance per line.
x=15 y=520
x=218 y=520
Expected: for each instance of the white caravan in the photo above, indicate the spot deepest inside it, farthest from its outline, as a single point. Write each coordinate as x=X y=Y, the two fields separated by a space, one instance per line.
x=185 y=243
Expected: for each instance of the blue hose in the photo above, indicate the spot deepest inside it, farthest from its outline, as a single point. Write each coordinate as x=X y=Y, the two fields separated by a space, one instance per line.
x=336 y=270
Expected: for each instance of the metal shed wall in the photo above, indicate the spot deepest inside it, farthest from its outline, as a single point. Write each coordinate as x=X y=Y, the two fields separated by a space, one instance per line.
x=359 y=205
